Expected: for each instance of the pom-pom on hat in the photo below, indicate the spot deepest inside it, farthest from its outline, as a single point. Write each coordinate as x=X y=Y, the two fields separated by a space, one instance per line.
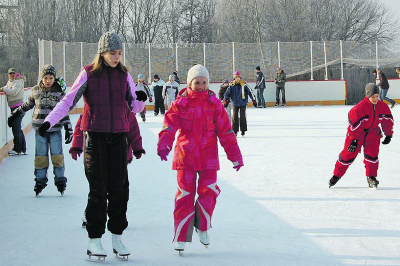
x=109 y=41
x=371 y=89
x=47 y=70
x=197 y=71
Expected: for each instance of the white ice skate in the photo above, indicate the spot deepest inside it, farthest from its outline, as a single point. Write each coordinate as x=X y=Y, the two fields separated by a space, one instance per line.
x=120 y=251
x=95 y=249
x=179 y=246
x=204 y=237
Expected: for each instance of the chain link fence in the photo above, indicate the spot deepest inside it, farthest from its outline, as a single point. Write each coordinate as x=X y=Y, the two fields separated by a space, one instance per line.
x=221 y=59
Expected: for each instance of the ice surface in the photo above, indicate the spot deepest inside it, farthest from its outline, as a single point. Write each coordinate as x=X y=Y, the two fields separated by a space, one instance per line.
x=277 y=210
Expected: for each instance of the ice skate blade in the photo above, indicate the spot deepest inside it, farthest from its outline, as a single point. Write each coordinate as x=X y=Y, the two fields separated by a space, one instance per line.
x=98 y=258
x=123 y=257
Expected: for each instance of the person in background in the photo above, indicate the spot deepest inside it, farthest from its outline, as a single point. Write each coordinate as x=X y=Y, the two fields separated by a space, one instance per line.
x=109 y=94
x=200 y=120
x=44 y=97
x=375 y=76
x=384 y=87
x=14 y=89
x=176 y=78
x=260 y=86
x=364 y=131
x=170 y=90
x=142 y=86
x=398 y=71
x=238 y=92
x=227 y=104
x=280 y=80
x=157 y=86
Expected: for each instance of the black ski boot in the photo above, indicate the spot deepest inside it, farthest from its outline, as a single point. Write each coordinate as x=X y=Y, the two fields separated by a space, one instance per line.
x=61 y=188
x=333 y=180
x=38 y=188
x=372 y=182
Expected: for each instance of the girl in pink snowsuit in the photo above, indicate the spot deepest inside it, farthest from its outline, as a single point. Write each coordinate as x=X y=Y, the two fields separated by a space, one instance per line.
x=364 y=131
x=200 y=118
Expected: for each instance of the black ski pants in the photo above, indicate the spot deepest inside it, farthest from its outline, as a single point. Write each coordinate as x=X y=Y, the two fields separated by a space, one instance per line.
x=158 y=101
x=239 y=119
x=106 y=171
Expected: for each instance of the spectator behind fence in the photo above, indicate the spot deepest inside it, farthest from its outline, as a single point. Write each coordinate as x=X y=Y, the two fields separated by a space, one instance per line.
x=280 y=80
x=384 y=87
x=14 y=90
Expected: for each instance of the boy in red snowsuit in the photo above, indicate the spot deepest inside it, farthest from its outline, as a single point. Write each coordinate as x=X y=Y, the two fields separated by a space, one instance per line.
x=201 y=119
x=364 y=130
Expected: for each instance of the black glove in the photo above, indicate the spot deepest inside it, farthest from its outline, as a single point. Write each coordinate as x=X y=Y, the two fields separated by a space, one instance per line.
x=141 y=96
x=254 y=103
x=13 y=116
x=225 y=103
x=138 y=154
x=43 y=128
x=353 y=145
x=69 y=133
x=387 y=140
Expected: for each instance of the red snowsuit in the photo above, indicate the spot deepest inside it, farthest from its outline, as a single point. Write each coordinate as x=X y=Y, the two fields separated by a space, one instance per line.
x=364 y=120
x=200 y=119
x=133 y=136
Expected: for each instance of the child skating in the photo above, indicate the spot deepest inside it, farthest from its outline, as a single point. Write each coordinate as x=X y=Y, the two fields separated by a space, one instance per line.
x=200 y=118
x=364 y=131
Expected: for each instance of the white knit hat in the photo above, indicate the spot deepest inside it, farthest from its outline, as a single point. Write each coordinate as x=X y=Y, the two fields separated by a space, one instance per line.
x=197 y=71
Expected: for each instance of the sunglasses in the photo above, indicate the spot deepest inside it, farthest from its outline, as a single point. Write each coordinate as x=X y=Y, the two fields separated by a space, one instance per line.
x=11 y=73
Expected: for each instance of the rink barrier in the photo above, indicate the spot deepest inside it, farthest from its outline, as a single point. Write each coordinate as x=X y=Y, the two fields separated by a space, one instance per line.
x=6 y=136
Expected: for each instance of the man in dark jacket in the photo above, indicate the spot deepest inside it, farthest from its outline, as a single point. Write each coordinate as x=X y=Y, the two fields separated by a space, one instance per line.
x=280 y=80
x=384 y=87
x=227 y=104
x=260 y=86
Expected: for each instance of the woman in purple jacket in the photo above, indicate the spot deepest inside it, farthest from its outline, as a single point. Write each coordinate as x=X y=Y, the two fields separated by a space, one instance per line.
x=109 y=94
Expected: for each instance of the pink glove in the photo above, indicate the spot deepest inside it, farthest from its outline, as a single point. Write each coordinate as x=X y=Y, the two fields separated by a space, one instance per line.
x=75 y=155
x=75 y=152
x=163 y=155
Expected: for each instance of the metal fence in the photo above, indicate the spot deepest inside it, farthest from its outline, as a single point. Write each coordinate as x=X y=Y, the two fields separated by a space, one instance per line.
x=221 y=59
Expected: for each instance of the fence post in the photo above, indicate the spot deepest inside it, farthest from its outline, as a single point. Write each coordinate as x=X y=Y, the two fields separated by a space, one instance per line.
x=176 y=56
x=149 y=62
x=124 y=53
x=65 y=78
x=341 y=59
x=51 y=52
x=279 y=54
x=204 y=53
x=81 y=55
x=326 y=66
x=312 y=74
x=376 y=52
x=40 y=52
x=233 y=58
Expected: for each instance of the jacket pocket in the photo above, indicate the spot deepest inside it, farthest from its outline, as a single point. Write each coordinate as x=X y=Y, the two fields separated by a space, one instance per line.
x=186 y=121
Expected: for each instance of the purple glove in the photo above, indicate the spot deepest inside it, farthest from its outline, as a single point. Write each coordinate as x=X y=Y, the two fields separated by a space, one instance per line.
x=163 y=155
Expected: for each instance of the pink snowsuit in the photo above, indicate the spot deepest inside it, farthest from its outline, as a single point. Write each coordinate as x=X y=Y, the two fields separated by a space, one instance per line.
x=364 y=120
x=200 y=119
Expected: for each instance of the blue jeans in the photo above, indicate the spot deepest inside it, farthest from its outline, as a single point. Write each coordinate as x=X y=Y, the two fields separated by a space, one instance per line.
x=278 y=90
x=382 y=96
x=260 y=97
x=52 y=140
x=19 y=137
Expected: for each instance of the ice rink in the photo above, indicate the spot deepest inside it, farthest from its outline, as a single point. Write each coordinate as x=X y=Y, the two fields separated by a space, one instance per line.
x=277 y=210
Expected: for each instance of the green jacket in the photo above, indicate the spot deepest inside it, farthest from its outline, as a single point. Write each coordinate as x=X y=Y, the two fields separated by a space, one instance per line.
x=280 y=80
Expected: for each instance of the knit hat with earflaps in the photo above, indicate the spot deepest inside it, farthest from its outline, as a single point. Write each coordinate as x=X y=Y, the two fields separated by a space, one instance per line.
x=109 y=41
x=197 y=71
x=47 y=70
x=371 y=89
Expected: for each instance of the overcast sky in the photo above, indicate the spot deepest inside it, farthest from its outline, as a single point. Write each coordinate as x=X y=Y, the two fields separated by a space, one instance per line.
x=394 y=6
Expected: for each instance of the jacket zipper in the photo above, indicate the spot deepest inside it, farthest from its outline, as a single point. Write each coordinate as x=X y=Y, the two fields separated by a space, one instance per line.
x=373 y=121
x=110 y=93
